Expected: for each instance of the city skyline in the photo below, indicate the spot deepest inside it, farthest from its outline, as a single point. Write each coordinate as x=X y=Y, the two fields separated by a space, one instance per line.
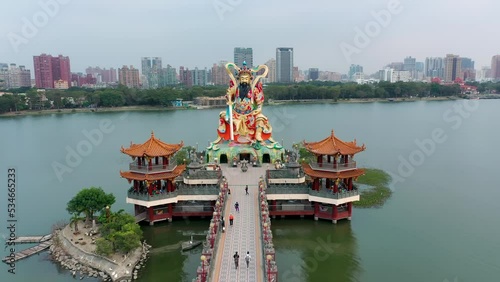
x=329 y=37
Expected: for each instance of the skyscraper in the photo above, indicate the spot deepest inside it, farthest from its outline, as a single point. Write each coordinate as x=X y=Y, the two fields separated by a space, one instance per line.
x=313 y=74
x=271 y=74
x=49 y=69
x=241 y=55
x=353 y=70
x=495 y=67
x=14 y=76
x=219 y=75
x=434 y=67
x=129 y=77
x=452 y=68
x=152 y=71
x=409 y=64
x=284 y=64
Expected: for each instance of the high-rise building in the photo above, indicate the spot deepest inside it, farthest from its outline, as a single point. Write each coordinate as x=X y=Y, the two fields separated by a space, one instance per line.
x=434 y=67
x=284 y=64
x=353 y=70
x=14 y=76
x=495 y=67
x=152 y=71
x=271 y=74
x=409 y=64
x=129 y=77
x=185 y=76
x=169 y=76
x=219 y=75
x=313 y=74
x=452 y=68
x=241 y=55
x=43 y=71
x=49 y=69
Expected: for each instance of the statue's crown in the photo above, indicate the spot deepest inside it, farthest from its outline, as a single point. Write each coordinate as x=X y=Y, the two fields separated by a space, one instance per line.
x=245 y=69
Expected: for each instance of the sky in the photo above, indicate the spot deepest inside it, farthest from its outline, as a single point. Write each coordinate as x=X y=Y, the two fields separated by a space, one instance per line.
x=325 y=34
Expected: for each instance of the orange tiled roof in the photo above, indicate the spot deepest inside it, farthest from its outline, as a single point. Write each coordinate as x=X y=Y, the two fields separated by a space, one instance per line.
x=332 y=146
x=151 y=177
x=330 y=174
x=152 y=148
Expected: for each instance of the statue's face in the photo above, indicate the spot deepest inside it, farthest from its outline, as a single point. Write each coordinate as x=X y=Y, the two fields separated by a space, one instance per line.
x=245 y=79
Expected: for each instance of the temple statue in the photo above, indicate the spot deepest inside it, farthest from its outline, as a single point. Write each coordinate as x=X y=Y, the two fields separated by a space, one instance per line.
x=245 y=98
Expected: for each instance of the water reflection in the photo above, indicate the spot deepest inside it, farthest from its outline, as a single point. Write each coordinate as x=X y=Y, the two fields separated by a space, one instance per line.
x=308 y=250
x=167 y=261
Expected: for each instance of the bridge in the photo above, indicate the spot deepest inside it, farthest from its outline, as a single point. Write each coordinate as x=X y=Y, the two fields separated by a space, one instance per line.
x=245 y=234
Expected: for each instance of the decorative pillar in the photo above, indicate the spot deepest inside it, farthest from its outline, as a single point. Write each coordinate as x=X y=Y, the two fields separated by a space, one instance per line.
x=157 y=160
x=349 y=210
x=320 y=160
x=328 y=183
x=335 y=161
x=335 y=212
x=151 y=215
x=150 y=188
x=336 y=186
x=346 y=160
x=350 y=183
x=164 y=160
x=316 y=184
x=316 y=210
x=136 y=185
x=150 y=164
x=139 y=162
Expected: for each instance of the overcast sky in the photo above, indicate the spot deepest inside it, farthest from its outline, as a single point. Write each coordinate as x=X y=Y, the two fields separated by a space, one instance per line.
x=198 y=33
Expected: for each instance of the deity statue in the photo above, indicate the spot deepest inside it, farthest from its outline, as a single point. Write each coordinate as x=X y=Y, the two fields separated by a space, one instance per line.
x=245 y=98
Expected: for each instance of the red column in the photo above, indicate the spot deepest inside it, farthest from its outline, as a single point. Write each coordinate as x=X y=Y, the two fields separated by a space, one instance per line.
x=335 y=187
x=165 y=162
x=320 y=160
x=151 y=214
x=150 y=164
x=139 y=163
x=316 y=208
x=329 y=159
x=170 y=209
x=136 y=185
x=349 y=209
x=350 y=183
x=346 y=159
x=335 y=212
x=328 y=183
x=274 y=205
x=150 y=189
x=334 y=161
x=316 y=184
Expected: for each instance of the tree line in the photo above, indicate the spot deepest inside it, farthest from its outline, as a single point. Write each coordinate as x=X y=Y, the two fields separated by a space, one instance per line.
x=122 y=96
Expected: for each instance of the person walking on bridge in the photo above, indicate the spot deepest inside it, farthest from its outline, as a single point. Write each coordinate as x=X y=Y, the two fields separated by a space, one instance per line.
x=246 y=190
x=236 y=259
x=231 y=218
x=237 y=207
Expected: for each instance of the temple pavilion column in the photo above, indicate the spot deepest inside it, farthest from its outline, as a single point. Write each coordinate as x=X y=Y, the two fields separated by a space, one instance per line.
x=328 y=184
x=350 y=183
x=335 y=213
x=336 y=186
x=165 y=162
x=139 y=163
x=349 y=210
x=316 y=184
x=320 y=160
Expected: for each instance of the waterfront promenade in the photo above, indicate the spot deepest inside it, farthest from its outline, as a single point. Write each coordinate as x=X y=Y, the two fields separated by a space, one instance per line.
x=244 y=235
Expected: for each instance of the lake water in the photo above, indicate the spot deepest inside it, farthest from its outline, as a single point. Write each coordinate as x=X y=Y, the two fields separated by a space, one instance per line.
x=441 y=224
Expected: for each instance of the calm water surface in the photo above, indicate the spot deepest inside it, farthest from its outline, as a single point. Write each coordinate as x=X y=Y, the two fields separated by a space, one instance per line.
x=442 y=223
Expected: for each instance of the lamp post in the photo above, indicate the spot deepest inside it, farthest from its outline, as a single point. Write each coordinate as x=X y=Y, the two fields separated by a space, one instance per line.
x=203 y=274
x=265 y=231
x=107 y=213
x=269 y=257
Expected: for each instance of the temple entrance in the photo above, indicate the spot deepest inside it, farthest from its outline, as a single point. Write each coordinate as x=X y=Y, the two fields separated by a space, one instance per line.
x=244 y=156
x=266 y=159
x=223 y=159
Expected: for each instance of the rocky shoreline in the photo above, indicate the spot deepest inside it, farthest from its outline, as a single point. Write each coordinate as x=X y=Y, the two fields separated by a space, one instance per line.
x=78 y=267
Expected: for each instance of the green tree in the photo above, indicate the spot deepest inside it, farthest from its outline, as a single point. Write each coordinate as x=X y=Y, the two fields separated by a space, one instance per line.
x=121 y=233
x=75 y=218
x=89 y=201
x=103 y=247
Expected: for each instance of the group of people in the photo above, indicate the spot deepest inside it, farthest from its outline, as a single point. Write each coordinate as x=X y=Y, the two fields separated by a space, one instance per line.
x=236 y=258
